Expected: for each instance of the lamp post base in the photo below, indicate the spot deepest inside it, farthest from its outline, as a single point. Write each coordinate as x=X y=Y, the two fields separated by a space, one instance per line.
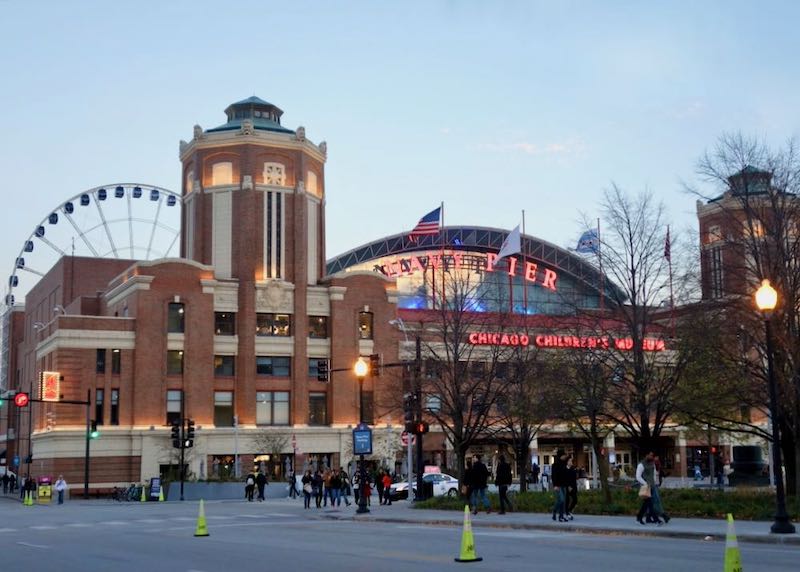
x=782 y=526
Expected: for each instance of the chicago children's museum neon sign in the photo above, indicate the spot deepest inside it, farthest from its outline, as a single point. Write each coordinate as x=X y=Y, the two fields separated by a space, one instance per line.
x=476 y=262
x=556 y=341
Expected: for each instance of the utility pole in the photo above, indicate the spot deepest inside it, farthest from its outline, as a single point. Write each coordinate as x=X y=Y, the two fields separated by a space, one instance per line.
x=88 y=440
x=418 y=395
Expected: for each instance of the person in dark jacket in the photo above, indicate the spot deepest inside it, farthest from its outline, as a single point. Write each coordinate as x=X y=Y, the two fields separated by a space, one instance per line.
x=249 y=486
x=261 y=482
x=479 y=479
x=503 y=480
x=572 y=488
x=559 y=477
x=466 y=483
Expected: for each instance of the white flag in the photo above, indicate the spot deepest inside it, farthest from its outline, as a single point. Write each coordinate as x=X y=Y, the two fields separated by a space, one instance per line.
x=511 y=245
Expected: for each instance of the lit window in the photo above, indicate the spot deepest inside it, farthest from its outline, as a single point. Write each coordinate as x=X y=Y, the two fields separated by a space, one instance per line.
x=222 y=173
x=175 y=318
x=116 y=361
x=273 y=325
x=224 y=365
x=115 y=406
x=365 y=325
x=174 y=362
x=317 y=408
x=225 y=323
x=318 y=327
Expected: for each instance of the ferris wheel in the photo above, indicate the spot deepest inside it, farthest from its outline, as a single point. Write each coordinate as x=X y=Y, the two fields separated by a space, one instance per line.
x=124 y=220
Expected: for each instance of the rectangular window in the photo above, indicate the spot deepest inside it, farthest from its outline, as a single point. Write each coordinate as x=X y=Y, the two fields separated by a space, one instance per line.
x=116 y=361
x=101 y=361
x=433 y=403
x=175 y=317
x=318 y=327
x=224 y=365
x=716 y=273
x=365 y=325
x=272 y=408
x=277 y=366
x=223 y=408
x=225 y=323
x=115 y=406
x=273 y=325
x=174 y=362
x=98 y=405
x=368 y=400
x=173 y=405
x=317 y=408
x=313 y=369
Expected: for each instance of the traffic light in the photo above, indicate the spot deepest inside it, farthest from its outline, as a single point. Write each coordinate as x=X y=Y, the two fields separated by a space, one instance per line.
x=21 y=399
x=176 y=434
x=421 y=427
x=93 y=432
x=408 y=411
x=189 y=441
x=323 y=370
x=375 y=365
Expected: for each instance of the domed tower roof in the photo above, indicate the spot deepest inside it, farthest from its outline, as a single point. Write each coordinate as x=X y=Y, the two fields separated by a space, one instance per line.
x=264 y=115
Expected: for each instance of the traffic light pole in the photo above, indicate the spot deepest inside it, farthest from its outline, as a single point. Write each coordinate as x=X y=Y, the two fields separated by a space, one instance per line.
x=88 y=440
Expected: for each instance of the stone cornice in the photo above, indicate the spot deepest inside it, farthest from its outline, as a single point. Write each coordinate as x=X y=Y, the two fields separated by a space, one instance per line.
x=259 y=137
x=131 y=285
x=86 y=339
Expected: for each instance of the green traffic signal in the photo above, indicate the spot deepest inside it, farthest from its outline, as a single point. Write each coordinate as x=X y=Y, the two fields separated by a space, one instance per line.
x=94 y=433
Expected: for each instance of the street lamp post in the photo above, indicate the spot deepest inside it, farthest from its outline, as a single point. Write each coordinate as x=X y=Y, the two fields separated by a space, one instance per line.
x=766 y=300
x=361 y=369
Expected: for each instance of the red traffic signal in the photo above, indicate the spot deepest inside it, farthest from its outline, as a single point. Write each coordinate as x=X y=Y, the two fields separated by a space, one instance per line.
x=421 y=427
x=21 y=399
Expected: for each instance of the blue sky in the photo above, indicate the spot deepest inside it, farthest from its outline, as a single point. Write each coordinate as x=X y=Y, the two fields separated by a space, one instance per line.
x=491 y=107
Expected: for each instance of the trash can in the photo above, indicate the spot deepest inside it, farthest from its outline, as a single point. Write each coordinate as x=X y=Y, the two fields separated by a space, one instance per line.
x=427 y=489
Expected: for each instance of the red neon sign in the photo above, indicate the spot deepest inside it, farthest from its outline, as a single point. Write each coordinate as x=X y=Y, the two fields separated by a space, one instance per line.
x=457 y=260
x=562 y=342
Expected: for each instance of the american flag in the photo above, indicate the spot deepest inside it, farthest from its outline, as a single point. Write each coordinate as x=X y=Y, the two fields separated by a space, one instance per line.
x=429 y=224
x=668 y=248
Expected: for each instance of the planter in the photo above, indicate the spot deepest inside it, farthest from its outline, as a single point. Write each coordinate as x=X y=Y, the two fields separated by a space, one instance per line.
x=221 y=491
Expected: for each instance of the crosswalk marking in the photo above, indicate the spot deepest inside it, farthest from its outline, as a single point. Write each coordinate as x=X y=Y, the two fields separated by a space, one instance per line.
x=44 y=527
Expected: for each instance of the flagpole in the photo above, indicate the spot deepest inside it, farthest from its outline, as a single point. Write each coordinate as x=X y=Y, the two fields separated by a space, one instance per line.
x=600 y=266
x=671 y=294
x=442 y=233
x=524 y=261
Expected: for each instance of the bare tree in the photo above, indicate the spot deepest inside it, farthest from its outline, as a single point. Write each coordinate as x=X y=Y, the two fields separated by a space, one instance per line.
x=754 y=197
x=461 y=377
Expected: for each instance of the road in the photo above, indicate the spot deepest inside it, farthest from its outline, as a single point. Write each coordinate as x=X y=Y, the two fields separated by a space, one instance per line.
x=107 y=536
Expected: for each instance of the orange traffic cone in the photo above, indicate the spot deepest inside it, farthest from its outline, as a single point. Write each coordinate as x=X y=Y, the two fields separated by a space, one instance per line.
x=467 y=543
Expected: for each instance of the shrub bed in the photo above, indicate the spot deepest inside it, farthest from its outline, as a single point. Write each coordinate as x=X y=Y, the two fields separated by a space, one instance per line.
x=691 y=503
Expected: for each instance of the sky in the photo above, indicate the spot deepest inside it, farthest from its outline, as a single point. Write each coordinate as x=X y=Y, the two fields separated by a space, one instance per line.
x=489 y=107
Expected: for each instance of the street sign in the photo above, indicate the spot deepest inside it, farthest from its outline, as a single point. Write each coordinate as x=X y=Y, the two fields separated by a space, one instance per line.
x=404 y=439
x=362 y=440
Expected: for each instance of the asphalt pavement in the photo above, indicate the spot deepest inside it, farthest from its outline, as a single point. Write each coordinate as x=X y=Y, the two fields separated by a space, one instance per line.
x=104 y=535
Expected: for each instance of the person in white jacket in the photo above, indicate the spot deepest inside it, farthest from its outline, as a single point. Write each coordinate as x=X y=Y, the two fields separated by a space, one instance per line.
x=61 y=486
x=646 y=477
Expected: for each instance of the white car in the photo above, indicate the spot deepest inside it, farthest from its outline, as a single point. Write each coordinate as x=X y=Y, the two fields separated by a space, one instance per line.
x=442 y=485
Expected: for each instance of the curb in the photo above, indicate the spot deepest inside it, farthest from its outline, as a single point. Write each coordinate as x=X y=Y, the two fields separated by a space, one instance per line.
x=577 y=529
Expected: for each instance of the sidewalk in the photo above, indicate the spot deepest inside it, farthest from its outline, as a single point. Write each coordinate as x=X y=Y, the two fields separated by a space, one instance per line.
x=689 y=528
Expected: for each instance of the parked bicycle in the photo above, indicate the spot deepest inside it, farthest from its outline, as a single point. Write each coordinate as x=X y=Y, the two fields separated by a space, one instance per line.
x=132 y=493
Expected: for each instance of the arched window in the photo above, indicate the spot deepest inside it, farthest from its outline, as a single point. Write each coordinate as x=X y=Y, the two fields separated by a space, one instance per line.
x=222 y=173
x=365 y=325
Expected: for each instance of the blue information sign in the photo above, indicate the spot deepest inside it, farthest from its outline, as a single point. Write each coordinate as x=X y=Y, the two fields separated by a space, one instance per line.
x=362 y=440
x=16 y=460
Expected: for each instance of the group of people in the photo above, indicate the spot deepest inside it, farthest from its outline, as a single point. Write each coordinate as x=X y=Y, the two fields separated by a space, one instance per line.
x=564 y=475
x=647 y=475
x=328 y=485
x=253 y=482
x=476 y=481
x=27 y=485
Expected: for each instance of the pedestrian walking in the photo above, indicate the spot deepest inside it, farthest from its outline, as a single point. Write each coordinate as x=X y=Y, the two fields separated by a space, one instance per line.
x=317 y=485
x=559 y=478
x=261 y=483
x=387 y=487
x=335 y=485
x=5 y=483
x=479 y=479
x=572 y=488
x=308 y=489
x=61 y=486
x=646 y=476
x=535 y=473
x=23 y=486
x=503 y=480
x=326 y=492
x=249 y=486
x=12 y=484
x=293 y=492
x=344 y=491
x=379 y=485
